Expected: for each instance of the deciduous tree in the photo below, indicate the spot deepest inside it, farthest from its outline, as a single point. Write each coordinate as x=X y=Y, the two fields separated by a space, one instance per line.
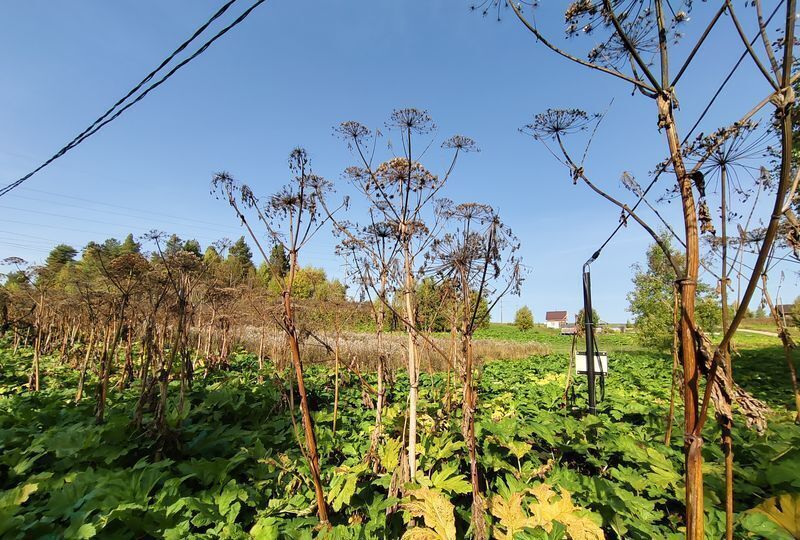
x=523 y=319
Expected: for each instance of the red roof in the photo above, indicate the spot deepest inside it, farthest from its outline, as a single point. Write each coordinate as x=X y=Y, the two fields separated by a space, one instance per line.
x=555 y=316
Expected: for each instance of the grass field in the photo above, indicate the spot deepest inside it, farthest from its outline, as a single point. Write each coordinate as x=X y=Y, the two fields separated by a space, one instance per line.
x=553 y=338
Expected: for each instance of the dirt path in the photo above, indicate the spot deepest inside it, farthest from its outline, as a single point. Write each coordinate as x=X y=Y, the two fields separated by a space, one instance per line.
x=760 y=332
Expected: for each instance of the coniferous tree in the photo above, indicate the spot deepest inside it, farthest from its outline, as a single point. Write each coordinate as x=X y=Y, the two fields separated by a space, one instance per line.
x=173 y=245
x=193 y=247
x=279 y=260
x=60 y=255
x=211 y=256
x=129 y=245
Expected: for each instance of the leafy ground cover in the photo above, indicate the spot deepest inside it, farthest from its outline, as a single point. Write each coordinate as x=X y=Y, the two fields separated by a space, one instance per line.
x=232 y=468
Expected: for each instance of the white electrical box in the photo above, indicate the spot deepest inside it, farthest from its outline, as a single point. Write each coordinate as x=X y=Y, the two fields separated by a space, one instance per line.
x=600 y=363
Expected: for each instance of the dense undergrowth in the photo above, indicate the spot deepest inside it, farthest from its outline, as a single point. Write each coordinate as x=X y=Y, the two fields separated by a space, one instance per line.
x=231 y=466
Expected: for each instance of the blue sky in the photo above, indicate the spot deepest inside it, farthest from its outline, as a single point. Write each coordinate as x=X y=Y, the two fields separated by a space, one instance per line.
x=290 y=73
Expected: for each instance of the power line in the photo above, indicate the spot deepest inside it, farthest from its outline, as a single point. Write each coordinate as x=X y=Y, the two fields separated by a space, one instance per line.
x=28 y=248
x=15 y=234
x=106 y=119
x=64 y=216
x=209 y=226
x=60 y=227
x=119 y=206
x=25 y=241
x=152 y=74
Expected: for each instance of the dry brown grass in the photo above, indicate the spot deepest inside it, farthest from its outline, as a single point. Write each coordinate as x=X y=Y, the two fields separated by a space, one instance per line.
x=361 y=348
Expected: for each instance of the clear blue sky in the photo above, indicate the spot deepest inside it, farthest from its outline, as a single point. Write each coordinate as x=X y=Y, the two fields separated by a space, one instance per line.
x=289 y=74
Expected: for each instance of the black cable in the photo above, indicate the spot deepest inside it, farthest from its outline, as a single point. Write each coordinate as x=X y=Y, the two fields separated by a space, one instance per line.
x=139 y=214
x=688 y=135
x=105 y=119
x=152 y=74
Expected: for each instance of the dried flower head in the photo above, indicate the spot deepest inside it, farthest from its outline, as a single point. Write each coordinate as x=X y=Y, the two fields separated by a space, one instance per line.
x=298 y=160
x=739 y=149
x=637 y=19
x=478 y=251
x=480 y=213
x=185 y=261
x=129 y=264
x=222 y=181
x=581 y=9
x=484 y=7
x=461 y=143
x=413 y=120
x=15 y=261
x=558 y=122
x=248 y=197
x=398 y=173
x=352 y=132
x=381 y=230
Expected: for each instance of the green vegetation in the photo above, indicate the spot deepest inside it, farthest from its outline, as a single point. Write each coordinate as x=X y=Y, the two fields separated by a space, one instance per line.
x=653 y=297
x=607 y=340
x=523 y=319
x=232 y=468
x=580 y=318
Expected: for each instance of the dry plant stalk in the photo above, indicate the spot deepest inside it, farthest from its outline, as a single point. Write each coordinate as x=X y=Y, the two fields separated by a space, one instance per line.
x=632 y=29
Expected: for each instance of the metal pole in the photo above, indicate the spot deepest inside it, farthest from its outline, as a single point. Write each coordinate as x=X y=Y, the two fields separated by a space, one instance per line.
x=588 y=328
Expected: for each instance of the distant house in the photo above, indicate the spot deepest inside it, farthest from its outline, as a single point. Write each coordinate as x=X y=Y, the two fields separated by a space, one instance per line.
x=555 y=319
x=785 y=310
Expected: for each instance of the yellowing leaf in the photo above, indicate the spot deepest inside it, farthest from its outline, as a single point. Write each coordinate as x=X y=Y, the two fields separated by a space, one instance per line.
x=24 y=492
x=783 y=510
x=583 y=528
x=421 y=533
x=519 y=449
x=389 y=453
x=18 y=495
x=547 y=379
x=512 y=517
x=545 y=511
x=435 y=510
